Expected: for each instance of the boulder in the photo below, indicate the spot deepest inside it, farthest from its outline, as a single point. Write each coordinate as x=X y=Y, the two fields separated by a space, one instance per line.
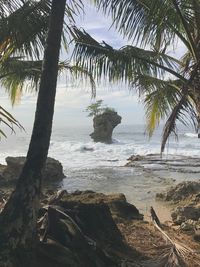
x=74 y=241
x=119 y=207
x=133 y=160
x=103 y=126
x=78 y=229
x=188 y=225
x=182 y=214
x=180 y=192
x=53 y=171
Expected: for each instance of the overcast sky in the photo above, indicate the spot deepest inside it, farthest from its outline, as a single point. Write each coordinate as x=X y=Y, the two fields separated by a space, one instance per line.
x=71 y=98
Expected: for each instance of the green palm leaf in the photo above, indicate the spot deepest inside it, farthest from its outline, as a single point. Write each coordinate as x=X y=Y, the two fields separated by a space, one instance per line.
x=8 y=121
x=181 y=112
x=103 y=60
x=159 y=97
x=24 y=30
x=19 y=76
x=154 y=22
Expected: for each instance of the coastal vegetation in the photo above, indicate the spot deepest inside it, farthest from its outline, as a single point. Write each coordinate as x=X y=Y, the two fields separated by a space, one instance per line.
x=97 y=108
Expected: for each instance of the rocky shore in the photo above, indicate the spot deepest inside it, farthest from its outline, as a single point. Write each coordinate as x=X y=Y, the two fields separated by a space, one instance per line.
x=184 y=199
x=86 y=228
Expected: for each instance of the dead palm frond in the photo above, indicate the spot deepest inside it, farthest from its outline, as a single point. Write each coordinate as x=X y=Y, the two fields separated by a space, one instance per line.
x=175 y=254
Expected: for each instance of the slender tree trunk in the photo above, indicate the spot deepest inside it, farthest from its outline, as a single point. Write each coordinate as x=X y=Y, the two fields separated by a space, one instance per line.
x=19 y=217
x=198 y=114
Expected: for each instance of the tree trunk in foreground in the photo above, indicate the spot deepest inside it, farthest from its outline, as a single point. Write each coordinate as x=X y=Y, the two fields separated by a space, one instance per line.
x=19 y=217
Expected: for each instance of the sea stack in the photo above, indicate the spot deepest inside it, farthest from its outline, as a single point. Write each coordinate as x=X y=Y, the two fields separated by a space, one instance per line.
x=103 y=126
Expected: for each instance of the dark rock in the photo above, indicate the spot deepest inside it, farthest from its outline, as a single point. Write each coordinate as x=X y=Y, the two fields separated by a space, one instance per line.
x=53 y=254
x=9 y=173
x=119 y=207
x=123 y=210
x=103 y=126
x=87 y=148
x=188 y=225
x=85 y=233
x=96 y=221
x=182 y=214
x=180 y=192
x=135 y=158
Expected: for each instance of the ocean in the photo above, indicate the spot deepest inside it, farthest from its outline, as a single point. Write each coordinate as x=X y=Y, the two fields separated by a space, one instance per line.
x=101 y=167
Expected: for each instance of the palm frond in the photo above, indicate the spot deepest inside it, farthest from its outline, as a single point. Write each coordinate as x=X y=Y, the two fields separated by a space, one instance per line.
x=19 y=76
x=78 y=73
x=153 y=22
x=8 y=121
x=185 y=16
x=176 y=254
x=181 y=112
x=104 y=61
x=23 y=31
x=9 y=6
x=159 y=97
x=28 y=38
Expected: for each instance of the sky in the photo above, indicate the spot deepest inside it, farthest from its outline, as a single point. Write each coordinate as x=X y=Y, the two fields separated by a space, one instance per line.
x=73 y=98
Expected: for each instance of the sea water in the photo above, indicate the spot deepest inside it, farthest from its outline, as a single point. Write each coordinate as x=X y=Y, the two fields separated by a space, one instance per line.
x=100 y=167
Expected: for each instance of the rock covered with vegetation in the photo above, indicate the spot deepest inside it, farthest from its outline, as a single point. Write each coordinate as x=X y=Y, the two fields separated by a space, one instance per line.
x=53 y=171
x=105 y=119
x=104 y=125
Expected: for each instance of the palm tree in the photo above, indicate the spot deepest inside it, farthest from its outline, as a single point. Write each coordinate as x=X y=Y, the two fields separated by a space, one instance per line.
x=168 y=85
x=21 y=39
x=18 y=219
x=22 y=44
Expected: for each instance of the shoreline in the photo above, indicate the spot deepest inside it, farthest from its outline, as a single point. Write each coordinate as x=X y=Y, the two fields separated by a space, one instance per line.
x=141 y=241
x=139 y=180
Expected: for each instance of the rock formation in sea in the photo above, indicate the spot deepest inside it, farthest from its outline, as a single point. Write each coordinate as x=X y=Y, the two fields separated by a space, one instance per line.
x=53 y=171
x=103 y=126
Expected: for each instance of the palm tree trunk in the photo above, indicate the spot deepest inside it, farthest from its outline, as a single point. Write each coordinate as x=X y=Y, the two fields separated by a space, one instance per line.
x=19 y=217
x=197 y=102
